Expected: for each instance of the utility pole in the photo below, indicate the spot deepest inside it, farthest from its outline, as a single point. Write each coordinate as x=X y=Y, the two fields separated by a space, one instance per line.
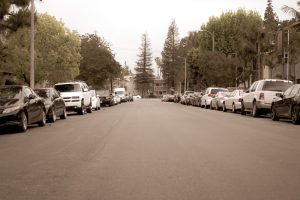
x=185 y=74
x=32 y=46
x=288 y=55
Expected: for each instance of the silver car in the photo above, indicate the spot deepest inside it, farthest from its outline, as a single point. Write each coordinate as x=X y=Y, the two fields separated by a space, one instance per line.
x=233 y=102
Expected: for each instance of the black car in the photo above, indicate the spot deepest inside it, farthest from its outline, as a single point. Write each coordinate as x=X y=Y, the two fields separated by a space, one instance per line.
x=106 y=97
x=54 y=103
x=20 y=106
x=288 y=106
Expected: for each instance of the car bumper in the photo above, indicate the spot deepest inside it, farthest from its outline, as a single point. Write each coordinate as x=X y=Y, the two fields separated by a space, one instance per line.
x=263 y=105
x=8 y=120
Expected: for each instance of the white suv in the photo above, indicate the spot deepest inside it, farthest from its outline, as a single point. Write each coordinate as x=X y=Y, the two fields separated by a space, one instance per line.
x=258 y=99
x=76 y=95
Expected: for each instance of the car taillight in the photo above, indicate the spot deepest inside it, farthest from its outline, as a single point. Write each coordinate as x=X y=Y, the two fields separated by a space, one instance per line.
x=261 y=96
x=211 y=95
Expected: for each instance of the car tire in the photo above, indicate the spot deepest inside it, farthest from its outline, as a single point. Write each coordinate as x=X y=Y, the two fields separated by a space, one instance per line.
x=205 y=105
x=243 y=112
x=255 y=111
x=43 y=121
x=295 y=115
x=81 y=109
x=64 y=114
x=224 y=108
x=53 y=115
x=23 y=122
x=210 y=106
x=274 y=116
x=233 y=108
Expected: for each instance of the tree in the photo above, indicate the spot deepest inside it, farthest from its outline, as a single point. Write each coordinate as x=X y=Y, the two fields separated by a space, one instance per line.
x=292 y=11
x=170 y=62
x=57 y=51
x=144 y=74
x=13 y=15
x=98 y=63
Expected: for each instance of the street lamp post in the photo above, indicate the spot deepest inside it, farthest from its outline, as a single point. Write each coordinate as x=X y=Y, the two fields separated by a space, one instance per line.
x=185 y=74
x=32 y=46
x=213 y=38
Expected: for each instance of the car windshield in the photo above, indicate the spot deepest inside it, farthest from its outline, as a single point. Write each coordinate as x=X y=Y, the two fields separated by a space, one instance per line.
x=10 y=92
x=279 y=86
x=43 y=93
x=68 y=88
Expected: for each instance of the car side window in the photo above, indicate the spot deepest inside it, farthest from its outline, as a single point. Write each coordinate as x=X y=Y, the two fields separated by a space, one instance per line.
x=27 y=92
x=253 y=87
x=288 y=91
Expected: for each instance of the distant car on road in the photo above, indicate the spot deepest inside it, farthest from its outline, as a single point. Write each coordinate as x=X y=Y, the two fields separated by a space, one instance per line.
x=288 y=106
x=106 y=97
x=20 y=106
x=258 y=99
x=54 y=103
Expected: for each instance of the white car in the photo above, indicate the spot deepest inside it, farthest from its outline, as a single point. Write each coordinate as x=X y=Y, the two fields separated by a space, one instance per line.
x=135 y=97
x=76 y=95
x=258 y=99
x=95 y=100
x=209 y=94
x=117 y=99
x=233 y=102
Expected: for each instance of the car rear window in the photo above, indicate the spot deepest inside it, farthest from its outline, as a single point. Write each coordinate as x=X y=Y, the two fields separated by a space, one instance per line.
x=68 y=88
x=10 y=92
x=278 y=86
x=215 y=91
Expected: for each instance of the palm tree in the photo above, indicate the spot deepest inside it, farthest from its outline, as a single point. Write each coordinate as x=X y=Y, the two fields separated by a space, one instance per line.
x=292 y=11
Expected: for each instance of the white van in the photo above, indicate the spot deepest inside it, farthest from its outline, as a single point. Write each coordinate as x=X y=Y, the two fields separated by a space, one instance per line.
x=121 y=92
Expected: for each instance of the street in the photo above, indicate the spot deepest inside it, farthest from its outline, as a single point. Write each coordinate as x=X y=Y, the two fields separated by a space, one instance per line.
x=150 y=150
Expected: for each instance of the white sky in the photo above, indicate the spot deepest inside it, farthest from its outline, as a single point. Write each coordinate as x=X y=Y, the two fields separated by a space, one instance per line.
x=122 y=22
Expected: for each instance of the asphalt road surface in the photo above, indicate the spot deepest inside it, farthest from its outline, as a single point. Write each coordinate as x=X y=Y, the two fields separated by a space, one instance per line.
x=149 y=150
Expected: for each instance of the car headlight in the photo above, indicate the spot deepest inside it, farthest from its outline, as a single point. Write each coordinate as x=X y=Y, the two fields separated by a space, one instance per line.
x=9 y=110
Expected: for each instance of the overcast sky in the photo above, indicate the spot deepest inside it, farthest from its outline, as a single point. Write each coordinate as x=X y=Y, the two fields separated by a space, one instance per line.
x=122 y=22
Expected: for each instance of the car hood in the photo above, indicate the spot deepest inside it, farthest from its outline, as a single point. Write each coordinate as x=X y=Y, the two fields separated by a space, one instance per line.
x=6 y=103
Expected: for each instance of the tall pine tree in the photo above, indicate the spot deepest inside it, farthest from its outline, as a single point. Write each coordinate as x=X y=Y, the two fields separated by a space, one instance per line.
x=170 y=56
x=144 y=73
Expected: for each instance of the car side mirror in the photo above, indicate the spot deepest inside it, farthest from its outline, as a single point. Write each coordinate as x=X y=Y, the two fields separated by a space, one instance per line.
x=279 y=95
x=31 y=96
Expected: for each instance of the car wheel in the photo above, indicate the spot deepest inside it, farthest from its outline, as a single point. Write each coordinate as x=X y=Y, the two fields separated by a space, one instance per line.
x=43 y=121
x=64 y=114
x=205 y=106
x=243 y=112
x=233 y=108
x=23 y=122
x=274 y=116
x=90 y=108
x=81 y=109
x=210 y=106
x=255 y=111
x=53 y=115
x=295 y=115
x=224 y=108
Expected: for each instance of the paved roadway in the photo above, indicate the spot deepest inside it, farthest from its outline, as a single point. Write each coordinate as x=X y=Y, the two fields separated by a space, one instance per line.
x=149 y=150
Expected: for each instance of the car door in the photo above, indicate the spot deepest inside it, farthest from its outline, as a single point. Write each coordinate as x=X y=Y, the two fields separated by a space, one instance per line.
x=248 y=98
x=283 y=106
x=32 y=110
x=56 y=101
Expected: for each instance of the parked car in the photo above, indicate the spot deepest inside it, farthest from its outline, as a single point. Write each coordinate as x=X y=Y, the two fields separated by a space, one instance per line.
x=76 y=95
x=54 y=103
x=233 y=102
x=258 y=99
x=20 y=106
x=197 y=99
x=184 y=97
x=96 y=102
x=177 y=98
x=218 y=101
x=106 y=98
x=117 y=99
x=209 y=94
x=189 y=99
x=288 y=106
